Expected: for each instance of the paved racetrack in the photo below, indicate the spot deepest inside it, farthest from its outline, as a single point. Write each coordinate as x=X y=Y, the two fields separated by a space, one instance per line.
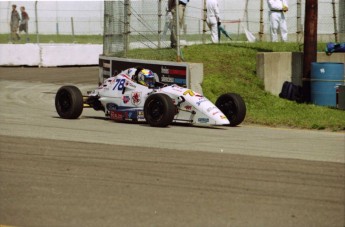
x=95 y=172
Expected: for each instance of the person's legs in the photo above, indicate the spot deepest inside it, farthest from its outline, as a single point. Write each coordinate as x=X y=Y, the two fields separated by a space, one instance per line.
x=14 y=33
x=173 y=34
x=274 y=24
x=181 y=12
x=283 y=28
x=212 y=24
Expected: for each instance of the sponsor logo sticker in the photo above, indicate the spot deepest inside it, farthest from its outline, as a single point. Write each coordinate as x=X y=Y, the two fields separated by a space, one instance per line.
x=126 y=99
x=136 y=98
x=203 y=120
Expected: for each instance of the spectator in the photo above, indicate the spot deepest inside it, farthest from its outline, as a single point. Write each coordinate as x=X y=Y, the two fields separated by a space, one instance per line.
x=213 y=19
x=168 y=23
x=24 y=22
x=14 y=23
x=278 y=8
x=172 y=8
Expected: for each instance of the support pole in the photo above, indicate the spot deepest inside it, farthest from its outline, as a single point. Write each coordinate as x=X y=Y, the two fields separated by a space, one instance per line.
x=127 y=26
x=310 y=44
x=72 y=26
x=261 y=19
x=159 y=22
x=36 y=22
x=178 y=48
x=335 y=22
x=299 y=21
x=204 y=22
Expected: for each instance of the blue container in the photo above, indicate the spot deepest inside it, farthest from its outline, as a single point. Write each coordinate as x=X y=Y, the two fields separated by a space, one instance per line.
x=325 y=77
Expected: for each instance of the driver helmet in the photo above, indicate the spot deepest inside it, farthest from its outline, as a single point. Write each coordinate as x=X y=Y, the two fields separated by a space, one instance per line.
x=147 y=78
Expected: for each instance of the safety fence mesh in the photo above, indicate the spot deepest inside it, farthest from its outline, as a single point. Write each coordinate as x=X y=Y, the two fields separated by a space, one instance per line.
x=123 y=25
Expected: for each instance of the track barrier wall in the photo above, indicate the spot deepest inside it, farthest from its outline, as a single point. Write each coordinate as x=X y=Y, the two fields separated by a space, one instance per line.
x=49 y=55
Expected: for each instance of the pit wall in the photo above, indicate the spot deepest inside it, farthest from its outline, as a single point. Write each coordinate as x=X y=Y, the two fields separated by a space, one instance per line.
x=275 y=68
x=49 y=55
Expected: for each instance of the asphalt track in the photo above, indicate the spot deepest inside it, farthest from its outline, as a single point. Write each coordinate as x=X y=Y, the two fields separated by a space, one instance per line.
x=95 y=172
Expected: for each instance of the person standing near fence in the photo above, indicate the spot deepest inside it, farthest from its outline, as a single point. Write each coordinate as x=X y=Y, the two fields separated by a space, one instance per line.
x=213 y=19
x=24 y=22
x=278 y=8
x=14 y=23
x=172 y=8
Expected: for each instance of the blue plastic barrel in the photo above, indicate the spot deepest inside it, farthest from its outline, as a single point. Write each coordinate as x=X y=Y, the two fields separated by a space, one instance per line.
x=325 y=77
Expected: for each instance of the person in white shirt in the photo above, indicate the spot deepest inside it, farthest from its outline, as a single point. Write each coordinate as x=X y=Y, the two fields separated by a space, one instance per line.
x=213 y=18
x=278 y=8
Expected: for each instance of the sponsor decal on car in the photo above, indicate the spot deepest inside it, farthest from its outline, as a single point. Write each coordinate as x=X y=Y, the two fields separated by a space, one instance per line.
x=131 y=114
x=116 y=115
x=201 y=101
x=136 y=98
x=129 y=84
x=222 y=117
x=126 y=99
x=188 y=107
x=203 y=120
x=140 y=115
x=189 y=92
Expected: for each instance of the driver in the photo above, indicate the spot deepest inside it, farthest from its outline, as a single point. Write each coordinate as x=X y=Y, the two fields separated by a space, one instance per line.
x=146 y=77
x=141 y=76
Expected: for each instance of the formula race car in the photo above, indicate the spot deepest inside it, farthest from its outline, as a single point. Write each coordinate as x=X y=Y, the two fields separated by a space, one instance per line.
x=136 y=95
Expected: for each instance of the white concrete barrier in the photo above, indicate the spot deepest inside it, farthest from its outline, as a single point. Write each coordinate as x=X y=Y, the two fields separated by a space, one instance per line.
x=19 y=54
x=48 y=55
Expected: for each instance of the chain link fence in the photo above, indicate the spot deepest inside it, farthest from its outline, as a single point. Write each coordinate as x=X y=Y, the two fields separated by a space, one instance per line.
x=122 y=25
x=144 y=24
x=56 y=21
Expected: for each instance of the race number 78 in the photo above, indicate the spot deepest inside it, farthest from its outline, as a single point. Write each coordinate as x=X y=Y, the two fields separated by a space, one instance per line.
x=119 y=84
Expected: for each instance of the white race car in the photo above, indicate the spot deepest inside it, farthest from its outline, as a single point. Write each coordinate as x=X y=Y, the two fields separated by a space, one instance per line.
x=134 y=95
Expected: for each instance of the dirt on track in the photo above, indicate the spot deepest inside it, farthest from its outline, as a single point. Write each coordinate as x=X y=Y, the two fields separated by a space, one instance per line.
x=58 y=75
x=54 y=182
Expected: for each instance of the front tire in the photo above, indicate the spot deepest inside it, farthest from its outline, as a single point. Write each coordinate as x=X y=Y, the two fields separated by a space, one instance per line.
x=159 y=110
x=233 y=107
x=69 y=102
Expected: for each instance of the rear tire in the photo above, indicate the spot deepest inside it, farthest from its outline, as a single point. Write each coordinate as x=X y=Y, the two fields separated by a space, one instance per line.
x=233 y=107
x=159 y=110
x=69 y=102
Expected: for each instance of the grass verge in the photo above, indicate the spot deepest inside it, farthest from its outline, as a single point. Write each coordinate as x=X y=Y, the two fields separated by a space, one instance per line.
x=232 y=68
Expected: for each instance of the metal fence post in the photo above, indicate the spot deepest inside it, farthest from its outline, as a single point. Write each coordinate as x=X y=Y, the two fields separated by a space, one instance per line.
x=299 y=21
x=341 y=19
x=178 y=48
x=72 y=26
x=127 y=17
x=159 y=22
x=261 y=20
x=335 y=22
x=204 y=23
x=36 y=21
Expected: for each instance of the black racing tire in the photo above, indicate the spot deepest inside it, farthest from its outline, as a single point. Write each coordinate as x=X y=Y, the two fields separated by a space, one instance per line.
x=233 y=107
x=69 y=102
x=159 y=110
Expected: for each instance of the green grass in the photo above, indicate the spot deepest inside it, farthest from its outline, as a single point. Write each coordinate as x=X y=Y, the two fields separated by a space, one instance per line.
x=82 y=39
x=231 y=68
